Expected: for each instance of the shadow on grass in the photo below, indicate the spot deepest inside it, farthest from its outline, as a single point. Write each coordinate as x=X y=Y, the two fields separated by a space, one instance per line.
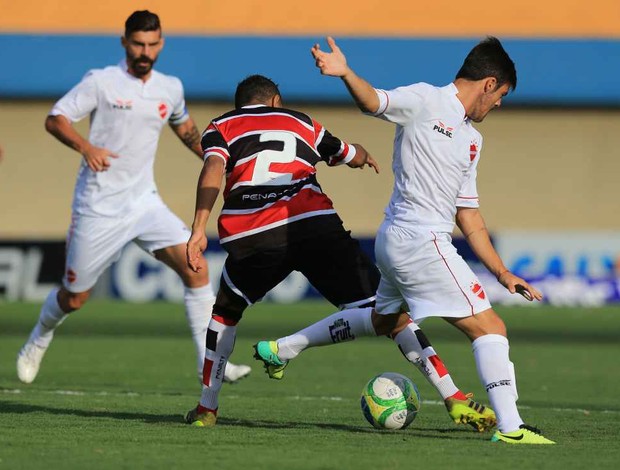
x=414 y=431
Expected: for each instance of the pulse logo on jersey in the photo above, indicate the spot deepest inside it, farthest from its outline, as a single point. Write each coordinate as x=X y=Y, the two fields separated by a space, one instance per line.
x=443 y=129
x=125 y=105
x=340 y=330
x=473 y=151
x=477 y=289
x=163 y=110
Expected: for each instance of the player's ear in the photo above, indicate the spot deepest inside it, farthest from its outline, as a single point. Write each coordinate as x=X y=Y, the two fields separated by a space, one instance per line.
x=490 y=84
x=124 y=42
x=161 y=43
x=276 y=101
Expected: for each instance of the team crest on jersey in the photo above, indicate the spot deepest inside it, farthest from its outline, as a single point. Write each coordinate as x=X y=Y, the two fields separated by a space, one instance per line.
x=443 y=129
x=125 y=105
x=477 y=290
x=473 y=151
x=163 y=110
x=71 y=276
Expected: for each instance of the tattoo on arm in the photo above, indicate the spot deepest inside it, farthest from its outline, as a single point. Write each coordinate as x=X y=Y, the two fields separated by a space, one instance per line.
x=191 y=138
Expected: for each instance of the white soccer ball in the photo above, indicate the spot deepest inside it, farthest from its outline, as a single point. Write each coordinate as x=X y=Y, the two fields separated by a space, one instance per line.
x=390 y=401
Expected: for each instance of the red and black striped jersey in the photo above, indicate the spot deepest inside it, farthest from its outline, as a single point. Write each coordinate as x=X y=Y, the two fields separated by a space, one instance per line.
x=272 y=196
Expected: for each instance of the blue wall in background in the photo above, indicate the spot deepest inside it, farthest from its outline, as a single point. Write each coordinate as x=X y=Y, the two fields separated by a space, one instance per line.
x=550 y=72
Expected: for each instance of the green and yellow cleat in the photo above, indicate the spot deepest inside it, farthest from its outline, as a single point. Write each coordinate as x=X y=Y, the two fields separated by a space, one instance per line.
x=524 y=435
x=203 y=420
x=267 y=351
x=480 y=417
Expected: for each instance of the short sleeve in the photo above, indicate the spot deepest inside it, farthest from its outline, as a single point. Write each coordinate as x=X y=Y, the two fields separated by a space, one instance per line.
x=213 y=144
x=401 y=105
x=179 y=112
x=332 y=150
x=80 y=101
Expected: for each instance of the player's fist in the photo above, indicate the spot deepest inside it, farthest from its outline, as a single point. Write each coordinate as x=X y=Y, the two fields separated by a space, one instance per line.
x=97 y=158
x=332 y=63
x=196 y=246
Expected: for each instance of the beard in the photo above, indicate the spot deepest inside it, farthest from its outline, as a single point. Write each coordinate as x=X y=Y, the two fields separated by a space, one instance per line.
x=141 y=65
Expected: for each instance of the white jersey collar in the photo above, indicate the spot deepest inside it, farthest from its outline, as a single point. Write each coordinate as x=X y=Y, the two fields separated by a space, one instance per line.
x=123 y=66
x=453 y=90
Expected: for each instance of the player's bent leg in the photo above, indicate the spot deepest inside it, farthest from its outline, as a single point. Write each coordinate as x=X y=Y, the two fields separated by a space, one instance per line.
x=483 y=323
x=418 y=350
x=58 y=304
x=491 y=353
x=199 y=300
x=343 y=326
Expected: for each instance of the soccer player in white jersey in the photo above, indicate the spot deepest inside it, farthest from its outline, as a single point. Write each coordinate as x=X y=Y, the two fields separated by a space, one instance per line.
x=116 y=200
x=436 y=153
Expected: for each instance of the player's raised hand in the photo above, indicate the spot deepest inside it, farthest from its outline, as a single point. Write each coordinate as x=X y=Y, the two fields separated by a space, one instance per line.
x=332 y=63
x=98 y=158
x=196 y=246
x=516 y=285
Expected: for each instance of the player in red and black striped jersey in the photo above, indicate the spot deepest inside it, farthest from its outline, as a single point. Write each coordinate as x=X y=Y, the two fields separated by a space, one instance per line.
x=272 y=196
x=275 y=220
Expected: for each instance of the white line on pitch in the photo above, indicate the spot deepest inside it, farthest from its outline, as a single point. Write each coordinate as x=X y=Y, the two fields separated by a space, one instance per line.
x=103 y=393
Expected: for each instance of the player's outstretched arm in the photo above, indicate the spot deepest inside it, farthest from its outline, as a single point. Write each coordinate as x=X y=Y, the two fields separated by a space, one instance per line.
x=189 y=135
x=209 y=184
x=471 y=223
x=334 y=64
x=97 y=158
x=363 y=158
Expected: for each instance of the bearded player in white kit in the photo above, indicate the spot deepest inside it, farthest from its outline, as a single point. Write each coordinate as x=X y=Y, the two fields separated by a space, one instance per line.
x=435 y=157
x=116 y=200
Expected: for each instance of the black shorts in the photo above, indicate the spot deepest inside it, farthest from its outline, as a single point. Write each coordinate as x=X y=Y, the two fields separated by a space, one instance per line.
x=334 y=264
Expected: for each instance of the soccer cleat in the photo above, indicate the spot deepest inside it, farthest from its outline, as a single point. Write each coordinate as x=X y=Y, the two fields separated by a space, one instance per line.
x=524 y=435
x=202 y=420
x=234 y=372
x=267 y=351
x=28 y=361
x=480 y=417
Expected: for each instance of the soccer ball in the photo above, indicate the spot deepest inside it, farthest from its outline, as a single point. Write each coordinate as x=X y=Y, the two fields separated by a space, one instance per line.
x=390 y=401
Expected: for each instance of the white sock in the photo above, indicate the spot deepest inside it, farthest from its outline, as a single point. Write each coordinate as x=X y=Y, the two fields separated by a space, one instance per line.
x=50 y=318
x=342 y=326
x=219 y=346
x=497 y=376
x=198 y=308
x=416 y=347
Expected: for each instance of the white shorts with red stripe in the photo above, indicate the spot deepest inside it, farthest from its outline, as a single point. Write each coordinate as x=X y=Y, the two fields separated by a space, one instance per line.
x=94 y=243
x=422 y=272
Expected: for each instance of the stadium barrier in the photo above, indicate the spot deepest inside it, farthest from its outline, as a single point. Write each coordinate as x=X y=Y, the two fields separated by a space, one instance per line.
x=570 y=268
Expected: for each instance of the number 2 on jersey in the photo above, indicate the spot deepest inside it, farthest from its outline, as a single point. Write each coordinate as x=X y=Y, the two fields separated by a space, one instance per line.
x=262 y=176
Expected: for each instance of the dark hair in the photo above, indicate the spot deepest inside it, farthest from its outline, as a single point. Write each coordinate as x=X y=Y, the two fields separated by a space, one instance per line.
x=255 y=88
x=489 y=59
x=142 y=20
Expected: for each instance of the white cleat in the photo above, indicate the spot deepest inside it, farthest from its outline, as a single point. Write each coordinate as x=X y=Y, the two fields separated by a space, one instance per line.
x=28 y=362
x=234 y=372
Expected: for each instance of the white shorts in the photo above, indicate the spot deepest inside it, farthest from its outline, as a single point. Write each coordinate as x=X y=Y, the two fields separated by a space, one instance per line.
x=94 y=243
x=421 y=272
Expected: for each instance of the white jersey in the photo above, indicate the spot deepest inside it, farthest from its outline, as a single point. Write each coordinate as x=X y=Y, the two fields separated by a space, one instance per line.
x=126 y=117
x=436 y=152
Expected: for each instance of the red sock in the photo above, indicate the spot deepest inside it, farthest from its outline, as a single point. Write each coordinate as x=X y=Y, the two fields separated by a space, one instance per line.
x=459 y=396
x=202 y=409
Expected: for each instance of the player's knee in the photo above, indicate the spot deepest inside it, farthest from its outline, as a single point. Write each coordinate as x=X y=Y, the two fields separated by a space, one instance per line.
x=71 y=301
x=389 y=324
x=232 y=315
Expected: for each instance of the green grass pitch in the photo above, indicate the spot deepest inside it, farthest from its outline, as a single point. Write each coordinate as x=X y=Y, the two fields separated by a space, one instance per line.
x=118 y=378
